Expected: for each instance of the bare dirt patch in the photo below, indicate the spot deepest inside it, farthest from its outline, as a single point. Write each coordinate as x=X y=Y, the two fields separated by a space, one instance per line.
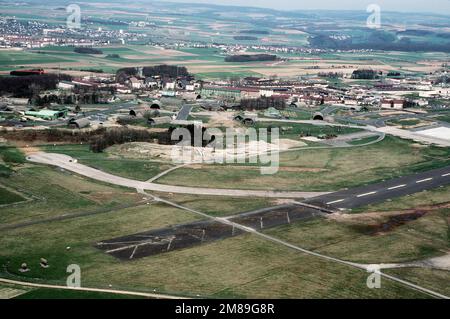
x=377 y=223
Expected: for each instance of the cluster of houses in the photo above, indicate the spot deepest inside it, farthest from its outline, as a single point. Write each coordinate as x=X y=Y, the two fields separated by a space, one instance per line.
x=309 y=92
x=390 y=93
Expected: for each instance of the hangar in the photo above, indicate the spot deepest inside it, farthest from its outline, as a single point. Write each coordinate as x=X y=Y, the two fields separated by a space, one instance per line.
x=318 y=116
x=79 y=123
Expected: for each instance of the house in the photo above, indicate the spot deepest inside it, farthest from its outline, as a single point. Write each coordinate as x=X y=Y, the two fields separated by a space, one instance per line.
x=150 y=82
x=66 y=85
x=123 y=89
x=135 y=83
x=220 y=91
x=169 y=85
x=392 y=104
x=266 y=92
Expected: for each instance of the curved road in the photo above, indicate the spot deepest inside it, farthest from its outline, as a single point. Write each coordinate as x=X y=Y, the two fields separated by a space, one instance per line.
x=70 y=164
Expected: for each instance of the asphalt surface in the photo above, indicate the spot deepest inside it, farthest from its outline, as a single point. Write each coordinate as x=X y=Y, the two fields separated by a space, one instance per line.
x=379 y=192
x=184 y=113
x=158 y=241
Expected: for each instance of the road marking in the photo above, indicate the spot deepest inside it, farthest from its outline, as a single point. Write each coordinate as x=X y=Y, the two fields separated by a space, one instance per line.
x=395 y=187
x=336 y=201
x=424 y=180
x=448 y=174
x=366 y=194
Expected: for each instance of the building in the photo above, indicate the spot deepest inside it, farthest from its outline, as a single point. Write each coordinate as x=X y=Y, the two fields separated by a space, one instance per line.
x=220 y=91
x=135 y=83
x=79 y=123
x=392 y=104
x=49 y=115
x=65 y=85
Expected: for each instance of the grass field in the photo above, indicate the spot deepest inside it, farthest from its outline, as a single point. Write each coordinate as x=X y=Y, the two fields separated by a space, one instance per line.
x=428 y=278
x=56 y=193
x=48 y=293
x=363 y=141
x=245 y=266
x=294 y=131
x=208 y=63
x=319 y=169
x=8 y=197
x=217 y=205
x=134 y=169
x=352 y=240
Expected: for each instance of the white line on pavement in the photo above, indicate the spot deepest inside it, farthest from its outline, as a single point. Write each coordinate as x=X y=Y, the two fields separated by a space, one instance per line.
x=366 y=194
x=424 y=180
x=395 y=187
x=336 y=201
x=448 y=174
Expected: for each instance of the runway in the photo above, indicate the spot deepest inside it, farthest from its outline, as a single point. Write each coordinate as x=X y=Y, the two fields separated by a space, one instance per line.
x=379 y=192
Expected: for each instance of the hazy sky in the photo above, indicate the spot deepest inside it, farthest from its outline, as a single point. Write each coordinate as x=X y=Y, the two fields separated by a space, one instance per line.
x=437 y=6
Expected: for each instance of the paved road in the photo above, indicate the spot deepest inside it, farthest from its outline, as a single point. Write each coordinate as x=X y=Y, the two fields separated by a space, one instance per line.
x=361 y=196
x=184 y=113
x=70 y=164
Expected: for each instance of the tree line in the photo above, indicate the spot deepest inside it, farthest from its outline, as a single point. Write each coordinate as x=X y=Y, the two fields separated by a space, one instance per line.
x=27 y=86
x=87 y=50
x=250 y=57
x=163 y=70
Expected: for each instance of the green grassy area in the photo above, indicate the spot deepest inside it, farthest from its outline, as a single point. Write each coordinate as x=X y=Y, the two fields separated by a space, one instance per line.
x=433 y=279
x=294 y=130
x=444 y=118
x=8 y=197
x=352 y=239
x=11 y=155
x=55 y=193
x=14 y=59
x=218 y=205
x=245 y=266
x=5 y=171
x=135 y=169
x=404 y=122
x=50 y=240
x=364 y=140
x=319 y=169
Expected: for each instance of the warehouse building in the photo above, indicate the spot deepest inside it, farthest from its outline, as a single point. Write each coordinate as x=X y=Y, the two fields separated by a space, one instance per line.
x=48 y=115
